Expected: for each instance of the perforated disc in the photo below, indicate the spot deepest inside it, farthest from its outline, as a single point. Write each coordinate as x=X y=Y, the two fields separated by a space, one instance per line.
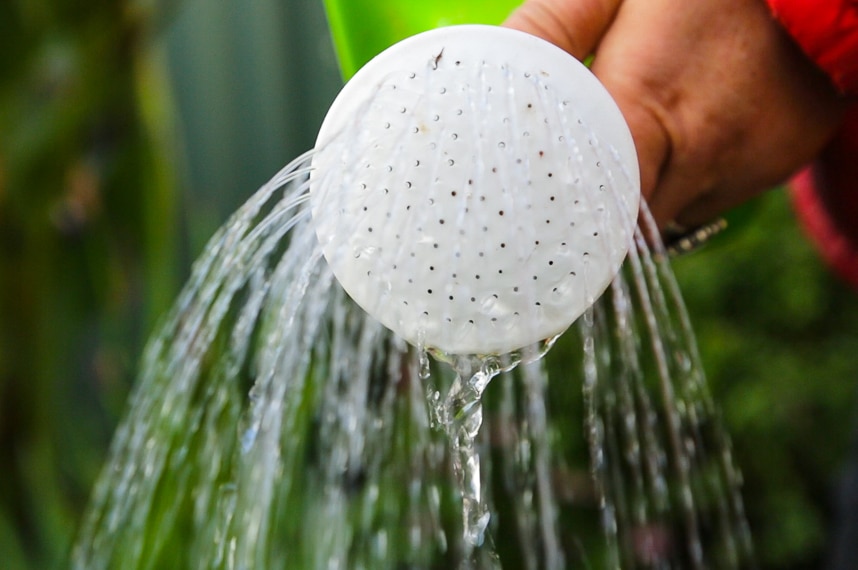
x=474 y=189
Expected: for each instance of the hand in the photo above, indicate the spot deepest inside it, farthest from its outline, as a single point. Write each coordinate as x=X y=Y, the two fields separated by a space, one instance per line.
x=721 y=103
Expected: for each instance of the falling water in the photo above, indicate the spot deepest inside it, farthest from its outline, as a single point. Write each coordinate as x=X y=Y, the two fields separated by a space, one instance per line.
x=274 y=425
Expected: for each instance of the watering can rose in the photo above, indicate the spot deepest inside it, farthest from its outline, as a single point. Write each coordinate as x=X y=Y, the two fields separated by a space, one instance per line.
x=475 y=189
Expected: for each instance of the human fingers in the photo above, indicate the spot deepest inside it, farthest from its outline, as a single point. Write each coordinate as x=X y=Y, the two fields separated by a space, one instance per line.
x=630 y=63
x=576 y=26
x=648 y=124
x=579 y=27
x=739 y=106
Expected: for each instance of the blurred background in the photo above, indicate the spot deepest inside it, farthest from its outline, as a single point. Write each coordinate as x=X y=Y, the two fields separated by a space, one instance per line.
x=131 y=129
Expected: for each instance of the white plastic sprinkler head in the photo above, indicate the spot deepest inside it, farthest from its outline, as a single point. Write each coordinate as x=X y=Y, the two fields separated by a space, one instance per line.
x=475 y=189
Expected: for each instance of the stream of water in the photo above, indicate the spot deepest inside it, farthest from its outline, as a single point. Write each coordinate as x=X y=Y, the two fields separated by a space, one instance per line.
x=275 y=425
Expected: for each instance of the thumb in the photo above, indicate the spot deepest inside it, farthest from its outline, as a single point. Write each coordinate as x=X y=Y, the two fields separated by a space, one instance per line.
x=648 y=122
x=576 y=26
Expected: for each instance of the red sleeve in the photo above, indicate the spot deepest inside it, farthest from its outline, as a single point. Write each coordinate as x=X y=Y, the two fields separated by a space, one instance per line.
x=827 y=31
x=826 y=193
x=826 y=199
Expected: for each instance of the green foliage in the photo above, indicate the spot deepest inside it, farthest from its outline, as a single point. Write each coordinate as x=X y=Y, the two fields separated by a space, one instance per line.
x=779 y=339
x=86 y=253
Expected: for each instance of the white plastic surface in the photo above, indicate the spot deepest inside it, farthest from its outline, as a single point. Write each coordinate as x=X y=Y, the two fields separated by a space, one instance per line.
x=475 y=189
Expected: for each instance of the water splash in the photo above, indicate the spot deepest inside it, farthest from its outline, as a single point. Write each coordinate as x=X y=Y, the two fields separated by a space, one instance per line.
x=274 y=425
x=460 y=415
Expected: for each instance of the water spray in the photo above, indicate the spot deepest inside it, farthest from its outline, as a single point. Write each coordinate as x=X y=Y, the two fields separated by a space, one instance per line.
x=474 y=189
